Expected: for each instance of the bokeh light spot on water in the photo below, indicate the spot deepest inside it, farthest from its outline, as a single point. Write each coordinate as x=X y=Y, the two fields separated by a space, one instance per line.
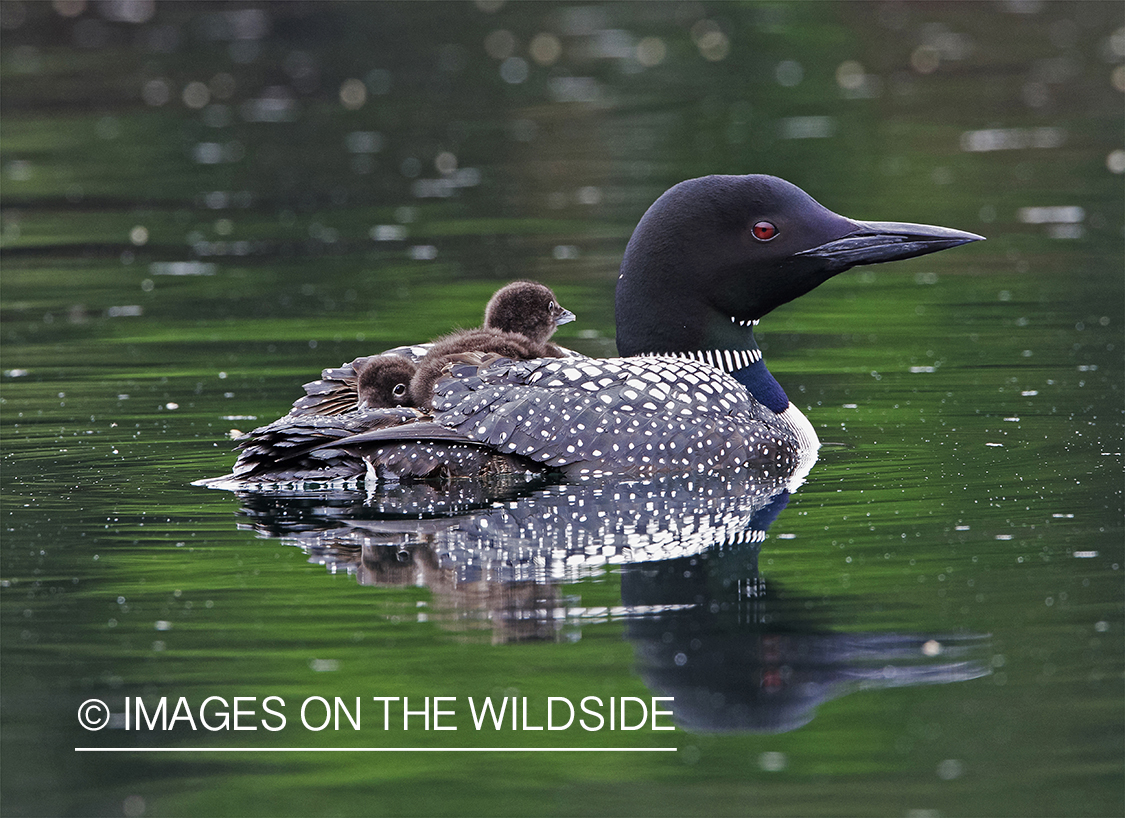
x=128 y=11
x=1115 y=44
x=574 y=89
x=445 y=162
x=712 y=42
x=925 y=59
x=68 y=8
x=651 y=51
x=19 y=170
x=207 y=153
x=1117 y=78
x=950 y=769
x=773 y=762
x=789 y=73
x=156 y=92
x=364 y=142
x=274 y=105
x=1061 y=222
x=514 y=70
x=589 y=195
x=353 y=93
x=545 y=48
x=850 y=75
x=196 y=95
x=388 y=232
x=134 y=806
x=806 y=127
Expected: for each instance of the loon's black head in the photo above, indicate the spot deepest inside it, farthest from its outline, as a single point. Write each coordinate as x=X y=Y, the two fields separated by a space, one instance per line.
x=528 y=308
x=714 y=254
x=384 y=382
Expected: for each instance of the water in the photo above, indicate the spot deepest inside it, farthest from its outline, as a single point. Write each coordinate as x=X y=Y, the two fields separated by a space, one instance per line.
x=203 y=207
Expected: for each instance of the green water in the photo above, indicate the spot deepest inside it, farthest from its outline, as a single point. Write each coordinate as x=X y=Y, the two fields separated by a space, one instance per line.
x=201 y=210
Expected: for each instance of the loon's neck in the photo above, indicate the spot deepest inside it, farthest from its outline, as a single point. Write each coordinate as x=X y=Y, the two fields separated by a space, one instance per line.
x=739 y=356
x=762 y=385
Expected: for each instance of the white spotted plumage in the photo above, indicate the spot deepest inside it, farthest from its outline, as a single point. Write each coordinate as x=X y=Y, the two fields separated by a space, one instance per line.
x=545 y=410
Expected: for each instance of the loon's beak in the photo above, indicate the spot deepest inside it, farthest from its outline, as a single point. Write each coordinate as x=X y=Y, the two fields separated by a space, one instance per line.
x=564 y=317
x=875 y=242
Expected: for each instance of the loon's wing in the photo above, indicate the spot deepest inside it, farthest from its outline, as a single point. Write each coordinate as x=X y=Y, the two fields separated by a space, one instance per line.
x=299 y=447
x=623 y=416
x=333 y=393
x=619 y=415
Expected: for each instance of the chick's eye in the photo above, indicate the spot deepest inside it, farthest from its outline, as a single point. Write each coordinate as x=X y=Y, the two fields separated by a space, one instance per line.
x=764 y=231
x=400 y=390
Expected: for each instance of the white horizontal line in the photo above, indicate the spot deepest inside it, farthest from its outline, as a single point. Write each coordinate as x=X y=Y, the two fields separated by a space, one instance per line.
x=375 y=749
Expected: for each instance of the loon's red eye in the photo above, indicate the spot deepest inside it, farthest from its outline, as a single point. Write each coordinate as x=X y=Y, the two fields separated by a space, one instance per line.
x=764 y=231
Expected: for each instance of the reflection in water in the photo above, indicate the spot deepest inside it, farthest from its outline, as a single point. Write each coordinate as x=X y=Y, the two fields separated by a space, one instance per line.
x=736 y=655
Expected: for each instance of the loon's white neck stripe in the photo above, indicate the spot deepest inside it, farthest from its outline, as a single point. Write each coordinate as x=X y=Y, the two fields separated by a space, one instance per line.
x=728 y=360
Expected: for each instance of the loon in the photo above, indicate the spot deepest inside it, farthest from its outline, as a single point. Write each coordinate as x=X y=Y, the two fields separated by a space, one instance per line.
x=690 y=393
x=522 y=308
x=518 y=321
x=395 y=388
x=384 y=381
x=530 y=309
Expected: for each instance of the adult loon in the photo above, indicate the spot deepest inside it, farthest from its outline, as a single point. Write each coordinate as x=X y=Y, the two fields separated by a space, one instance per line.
x=708 y=259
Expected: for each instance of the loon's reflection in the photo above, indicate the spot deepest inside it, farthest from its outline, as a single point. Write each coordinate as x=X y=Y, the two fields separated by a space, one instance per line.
x=735 y=652
x=742 y=656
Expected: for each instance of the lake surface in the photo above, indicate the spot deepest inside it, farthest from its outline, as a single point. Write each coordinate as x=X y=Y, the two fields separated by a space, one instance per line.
x=204 y=205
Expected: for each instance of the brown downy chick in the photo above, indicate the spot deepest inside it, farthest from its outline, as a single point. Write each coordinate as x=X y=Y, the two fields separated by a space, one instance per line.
x=384 y=382
x=518 y=321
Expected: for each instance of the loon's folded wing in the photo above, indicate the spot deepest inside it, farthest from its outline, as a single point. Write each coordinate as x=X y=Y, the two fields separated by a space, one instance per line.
x=298 y=447
x=629 y=416
x=620 y=415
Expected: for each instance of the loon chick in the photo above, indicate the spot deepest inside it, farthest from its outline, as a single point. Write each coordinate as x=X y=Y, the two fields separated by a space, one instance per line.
x=518 y=321
x=335 y=391
x=708 y=259
x=384 y=381
x=530 y=309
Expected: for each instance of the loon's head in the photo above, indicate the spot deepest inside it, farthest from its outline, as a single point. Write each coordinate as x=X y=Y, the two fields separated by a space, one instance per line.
x=528 y=308
x=713 y=255
x=384 y=382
